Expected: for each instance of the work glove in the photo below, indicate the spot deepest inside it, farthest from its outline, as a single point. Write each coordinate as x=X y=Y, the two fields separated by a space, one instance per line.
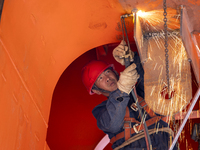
x=119 y=52
x=128 y=79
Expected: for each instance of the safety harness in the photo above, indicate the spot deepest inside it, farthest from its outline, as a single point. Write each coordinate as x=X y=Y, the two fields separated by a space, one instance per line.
x=137 y=128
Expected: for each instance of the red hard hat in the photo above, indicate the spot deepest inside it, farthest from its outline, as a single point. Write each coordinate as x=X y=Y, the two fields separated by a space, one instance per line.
x=91 y=72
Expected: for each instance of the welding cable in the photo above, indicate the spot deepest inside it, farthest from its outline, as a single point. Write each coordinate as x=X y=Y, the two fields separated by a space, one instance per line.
x=127 y=62
x=141 y=135
x=124 y=29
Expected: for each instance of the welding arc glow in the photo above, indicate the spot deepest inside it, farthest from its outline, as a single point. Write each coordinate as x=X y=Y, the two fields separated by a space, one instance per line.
x=141 y=13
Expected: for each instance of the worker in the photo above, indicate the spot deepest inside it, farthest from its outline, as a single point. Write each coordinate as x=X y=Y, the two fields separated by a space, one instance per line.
x=118 y=116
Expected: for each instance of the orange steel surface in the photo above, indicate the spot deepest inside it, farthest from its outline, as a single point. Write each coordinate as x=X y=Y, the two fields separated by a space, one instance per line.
x=38 y=41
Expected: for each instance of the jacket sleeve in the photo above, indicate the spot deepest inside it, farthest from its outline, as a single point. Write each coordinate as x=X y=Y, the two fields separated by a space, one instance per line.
x=110 y=114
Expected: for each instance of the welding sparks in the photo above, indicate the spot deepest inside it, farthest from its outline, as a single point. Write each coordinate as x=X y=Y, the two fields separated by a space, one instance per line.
x=153 y=88
x=157 y=128
x=155 y=66
x=198 y=48
x=154 y=19
x=178 y=100
x=152 y=26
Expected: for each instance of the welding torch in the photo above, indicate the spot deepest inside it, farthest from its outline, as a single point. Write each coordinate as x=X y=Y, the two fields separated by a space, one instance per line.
x=128 y=58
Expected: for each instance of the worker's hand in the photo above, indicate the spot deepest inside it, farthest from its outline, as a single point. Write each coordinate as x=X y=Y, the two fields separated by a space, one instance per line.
x=128 y=79
x=119 y=52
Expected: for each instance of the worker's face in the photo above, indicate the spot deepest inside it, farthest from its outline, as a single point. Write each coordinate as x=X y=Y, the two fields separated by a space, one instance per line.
x=107 y=81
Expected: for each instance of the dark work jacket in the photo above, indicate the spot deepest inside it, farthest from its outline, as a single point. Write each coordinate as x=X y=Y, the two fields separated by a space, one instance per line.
x=110 y=116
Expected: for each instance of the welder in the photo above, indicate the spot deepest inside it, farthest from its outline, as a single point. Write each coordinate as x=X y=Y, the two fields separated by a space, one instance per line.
x=118 y=116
